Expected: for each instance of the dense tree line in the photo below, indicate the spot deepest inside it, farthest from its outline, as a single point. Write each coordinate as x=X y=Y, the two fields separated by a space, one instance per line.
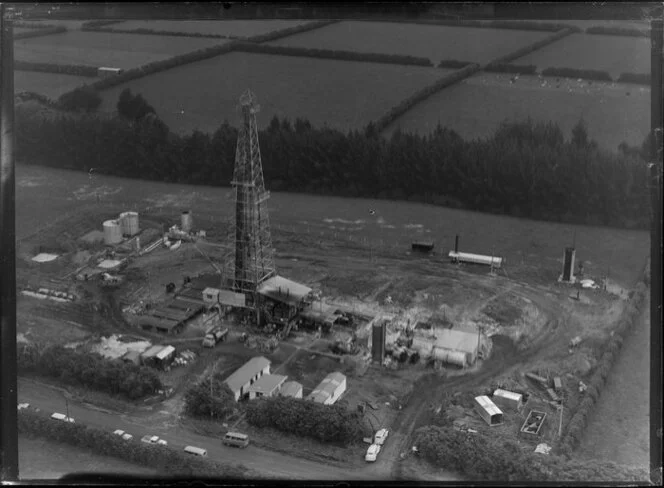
x=326 y=423
x=512 y=68
x=486 y=457
x=65 y=69
x=210 y=398
x=525 y=169
x=90 y=370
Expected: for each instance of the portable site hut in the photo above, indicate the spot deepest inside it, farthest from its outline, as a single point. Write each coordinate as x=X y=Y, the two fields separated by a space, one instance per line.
x=148 y=356
x=291 y=389
x=488 y=410
x=216 y=296
x=330 y=389
x=164 y=326
x=165 y=356
x=266 y=386
x=507 y=400
x=240 y=381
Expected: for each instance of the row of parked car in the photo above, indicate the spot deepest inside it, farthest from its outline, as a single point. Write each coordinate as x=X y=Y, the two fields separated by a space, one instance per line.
x=374 y=449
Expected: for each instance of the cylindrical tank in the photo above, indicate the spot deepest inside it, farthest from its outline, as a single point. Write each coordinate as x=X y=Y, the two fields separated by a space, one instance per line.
x=112 y=232
x=186 y=221
x=137 y=243
x=568 y=264
x=448 y=356
x=129 y=223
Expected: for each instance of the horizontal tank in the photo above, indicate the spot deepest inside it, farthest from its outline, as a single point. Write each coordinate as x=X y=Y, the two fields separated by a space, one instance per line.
x=467 y=257
x=129 y=223
x=112 y=232
x=458 y=358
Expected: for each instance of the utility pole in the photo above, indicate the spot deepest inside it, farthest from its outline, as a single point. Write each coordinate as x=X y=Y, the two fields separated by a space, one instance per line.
x=67 y=408
x=656 y=115
x=560 y=425
x=8 y=382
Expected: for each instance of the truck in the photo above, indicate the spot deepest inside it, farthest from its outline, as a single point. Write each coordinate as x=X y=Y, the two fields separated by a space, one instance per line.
x=214 y=335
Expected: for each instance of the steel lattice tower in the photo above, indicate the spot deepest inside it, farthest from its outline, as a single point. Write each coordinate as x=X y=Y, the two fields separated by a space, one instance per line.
x=251 y=259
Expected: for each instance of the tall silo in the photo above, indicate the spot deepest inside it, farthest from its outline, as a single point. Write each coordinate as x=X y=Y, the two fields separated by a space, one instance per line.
x=129 y=223
x=112 y=232
x=568 y=264
x=379 y=334
x=186 y=221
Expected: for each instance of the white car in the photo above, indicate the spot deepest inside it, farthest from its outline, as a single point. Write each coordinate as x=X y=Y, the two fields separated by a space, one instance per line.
x=21 y=406
x=381 y=436
x=124 y=435
x=62 y=417
x=372 y=453
x=153 y=439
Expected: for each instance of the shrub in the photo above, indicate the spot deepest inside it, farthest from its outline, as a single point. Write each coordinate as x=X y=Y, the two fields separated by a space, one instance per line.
x=511 y=68
x=328 y=54
x=82 y=99
x=271 y=36
x=533 y=47
x=617 y=31
x=47 y=31
x=67 y=69
x=133 y=107
x=587 y=74
x=326 y=423
x=210 y=398
x=638 y=78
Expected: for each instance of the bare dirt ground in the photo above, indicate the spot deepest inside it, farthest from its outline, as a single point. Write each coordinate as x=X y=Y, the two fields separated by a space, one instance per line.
x=619 y=429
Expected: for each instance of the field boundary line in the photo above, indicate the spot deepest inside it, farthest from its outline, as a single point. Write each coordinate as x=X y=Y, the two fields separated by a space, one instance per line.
x=519 y=53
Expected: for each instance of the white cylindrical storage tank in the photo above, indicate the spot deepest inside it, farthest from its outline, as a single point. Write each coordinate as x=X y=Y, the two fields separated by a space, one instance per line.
x=129 y=223
x=112 y=232
x=186 y=221
x=458 y=358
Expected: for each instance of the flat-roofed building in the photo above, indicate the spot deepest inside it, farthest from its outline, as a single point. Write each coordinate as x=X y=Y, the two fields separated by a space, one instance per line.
x=240 y=381
x=266 y=386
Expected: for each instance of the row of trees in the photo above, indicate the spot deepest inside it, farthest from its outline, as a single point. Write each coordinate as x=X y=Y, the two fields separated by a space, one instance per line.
x=326 y=423
x=487 y=457
x=525 y=169
x=90 y=371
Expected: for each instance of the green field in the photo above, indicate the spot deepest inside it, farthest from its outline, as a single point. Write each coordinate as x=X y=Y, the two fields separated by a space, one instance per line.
x=341 y=94
x=45 y=460
x=44 y=194
x=50 y=84
x=106 y=49
x=479 y=45
x=231 y=28
x=611 y=115
x=615 y=54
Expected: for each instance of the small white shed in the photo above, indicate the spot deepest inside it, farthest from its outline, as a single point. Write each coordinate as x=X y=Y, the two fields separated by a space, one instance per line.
x=507 y=400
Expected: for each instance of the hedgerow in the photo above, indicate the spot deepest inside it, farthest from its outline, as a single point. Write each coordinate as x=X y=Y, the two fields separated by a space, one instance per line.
x=423 y=94
x=329 y=54
x=512 y=68
x=163 y=459
x=453 y=64
x=638 y=78
x=94 y=24
x=617 y=31
x=278 y=34
x=40 y=32
x=66 y=69
x=586 y=74
x=33 y=25
x=483 y=457
x=326 y=423
x=154 y=32
x=491 y=24
x=90 y=370
x=519 y=53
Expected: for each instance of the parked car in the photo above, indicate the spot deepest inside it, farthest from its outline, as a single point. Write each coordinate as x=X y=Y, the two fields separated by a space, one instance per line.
x=124 y=435
x=372 y=453
x=153 y=439
x=21 y=406
x=62 y=417
x=381 y=436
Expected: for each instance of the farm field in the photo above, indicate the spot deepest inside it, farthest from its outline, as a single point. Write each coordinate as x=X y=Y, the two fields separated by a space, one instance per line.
x=479 y=45
x=69 y=24
x=342 y=94
x=619 y=427
x=615 y=54
x=613 y=112
x=45 y=460
x=50 y=84
x=584 y=24
x=106 y=49
x=44 y=194
x=231 y=28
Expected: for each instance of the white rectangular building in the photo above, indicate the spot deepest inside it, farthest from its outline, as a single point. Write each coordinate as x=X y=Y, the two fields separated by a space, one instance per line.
x=488 y=410
x=240 y=381
x=266 y=386
x=329 y=390
x=507 y=400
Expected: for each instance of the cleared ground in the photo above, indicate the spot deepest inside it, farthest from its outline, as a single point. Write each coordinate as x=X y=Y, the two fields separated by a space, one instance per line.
x=106 y=49
x=613 y=112
x=619 y=428
x=44 y=460
x=615 y=54
x=50 y=84
x=479 y=45
x=341 y=94
x=231 y=28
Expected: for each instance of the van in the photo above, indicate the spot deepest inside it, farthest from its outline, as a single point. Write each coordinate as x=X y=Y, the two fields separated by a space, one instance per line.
x=196 y=451
x=62 y=417
x=236 y=439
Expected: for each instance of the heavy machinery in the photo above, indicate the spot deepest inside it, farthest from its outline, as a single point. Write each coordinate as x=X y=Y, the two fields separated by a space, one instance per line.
x=215 y=335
